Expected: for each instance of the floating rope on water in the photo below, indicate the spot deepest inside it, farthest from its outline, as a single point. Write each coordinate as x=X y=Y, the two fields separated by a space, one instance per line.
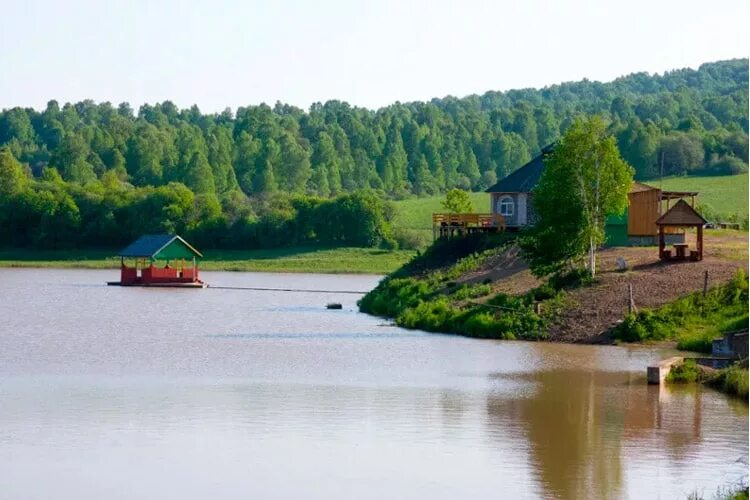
x=285 y=289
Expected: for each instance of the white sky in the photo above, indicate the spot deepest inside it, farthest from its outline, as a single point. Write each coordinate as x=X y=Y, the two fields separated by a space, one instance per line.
x=221 y=53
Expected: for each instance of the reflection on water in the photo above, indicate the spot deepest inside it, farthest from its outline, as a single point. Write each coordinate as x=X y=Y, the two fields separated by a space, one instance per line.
x=125 y=393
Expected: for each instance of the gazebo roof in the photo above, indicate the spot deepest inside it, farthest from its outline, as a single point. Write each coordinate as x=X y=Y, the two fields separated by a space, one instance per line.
x=639 y=187
x=681 y=214
x=169 y=246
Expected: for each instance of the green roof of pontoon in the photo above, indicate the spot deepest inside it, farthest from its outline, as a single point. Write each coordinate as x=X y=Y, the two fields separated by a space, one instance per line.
x=160 y=246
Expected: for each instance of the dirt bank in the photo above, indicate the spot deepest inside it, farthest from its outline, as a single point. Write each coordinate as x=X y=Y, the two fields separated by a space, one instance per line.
x=598 y=307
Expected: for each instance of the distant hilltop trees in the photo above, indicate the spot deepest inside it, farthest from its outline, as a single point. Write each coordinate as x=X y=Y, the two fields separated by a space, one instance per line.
x=88 y=174
x=683 y=121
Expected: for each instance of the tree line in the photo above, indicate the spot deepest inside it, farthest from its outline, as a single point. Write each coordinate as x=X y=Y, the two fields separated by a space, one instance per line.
x=49 y=213
x=233 y=163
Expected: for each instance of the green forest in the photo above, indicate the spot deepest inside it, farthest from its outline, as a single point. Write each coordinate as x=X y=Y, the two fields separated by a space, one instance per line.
x=98 y=175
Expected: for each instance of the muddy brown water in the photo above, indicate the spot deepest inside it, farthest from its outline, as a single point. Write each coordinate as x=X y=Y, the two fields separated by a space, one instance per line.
x=109 y=392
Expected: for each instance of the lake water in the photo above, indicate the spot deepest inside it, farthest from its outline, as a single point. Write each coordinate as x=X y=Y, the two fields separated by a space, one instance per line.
x=109 y=392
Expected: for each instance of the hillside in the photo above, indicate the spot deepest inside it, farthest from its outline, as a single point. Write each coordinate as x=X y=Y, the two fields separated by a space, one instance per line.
x=726 y=195
x=107 y=170
x=480 y=287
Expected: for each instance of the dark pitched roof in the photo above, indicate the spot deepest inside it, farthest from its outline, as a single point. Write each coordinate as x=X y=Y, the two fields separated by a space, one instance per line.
x=639 y=187
x=150 y=244
x=525 y=178
x=681 y=214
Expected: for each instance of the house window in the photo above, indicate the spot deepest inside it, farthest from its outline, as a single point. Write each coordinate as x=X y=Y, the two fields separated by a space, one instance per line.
x=505 y=206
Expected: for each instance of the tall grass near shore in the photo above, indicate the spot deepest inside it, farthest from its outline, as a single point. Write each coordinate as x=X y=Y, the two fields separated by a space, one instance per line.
x=424 y=295
x=695 y=320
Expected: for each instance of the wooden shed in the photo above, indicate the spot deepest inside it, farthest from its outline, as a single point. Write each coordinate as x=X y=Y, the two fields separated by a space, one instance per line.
x=638 y=225
x=648 y=203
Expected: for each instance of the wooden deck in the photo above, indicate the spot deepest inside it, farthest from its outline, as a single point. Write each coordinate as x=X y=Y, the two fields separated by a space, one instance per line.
x=190 y=284
x=446 y=225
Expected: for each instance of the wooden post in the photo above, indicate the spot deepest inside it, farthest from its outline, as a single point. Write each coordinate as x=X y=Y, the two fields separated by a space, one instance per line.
x=661 y=242
x=705 y=283
x=700 y=242
x=631 y=303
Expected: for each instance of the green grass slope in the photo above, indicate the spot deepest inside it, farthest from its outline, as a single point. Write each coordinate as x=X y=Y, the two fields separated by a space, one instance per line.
x=416 y=213
x=725 y=194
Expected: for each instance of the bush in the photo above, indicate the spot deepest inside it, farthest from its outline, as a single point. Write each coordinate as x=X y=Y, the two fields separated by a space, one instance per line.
x=732 y=380
x=694 y=320
x=728 y=165
x=544 y=292
x=410 y=239
x=470 y=292
x=685 y=373
x=433 y=316
x=696 y=343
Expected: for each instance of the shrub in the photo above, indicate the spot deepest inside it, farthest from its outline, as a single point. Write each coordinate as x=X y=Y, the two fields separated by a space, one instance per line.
x=543 y=292
x=684 y=373
x=728 y=165
x=410 y=239
x=696 y=343
x=470 y=292
x=433 y=316
x=732 y=380
x=703 y=318
x=484 y=325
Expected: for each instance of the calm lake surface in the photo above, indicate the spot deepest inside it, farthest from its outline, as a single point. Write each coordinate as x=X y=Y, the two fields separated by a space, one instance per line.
x=109 y=392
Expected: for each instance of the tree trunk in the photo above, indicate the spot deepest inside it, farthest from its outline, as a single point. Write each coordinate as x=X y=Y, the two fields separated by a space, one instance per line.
x=592 y=257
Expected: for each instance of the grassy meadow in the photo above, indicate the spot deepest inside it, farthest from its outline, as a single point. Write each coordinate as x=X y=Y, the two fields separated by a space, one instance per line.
x=724 y=194
x=415 y=215
x=311 y=260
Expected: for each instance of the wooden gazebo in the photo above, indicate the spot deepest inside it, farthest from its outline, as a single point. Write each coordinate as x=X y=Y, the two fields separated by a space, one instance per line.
x=681 y=215
x=180 y=269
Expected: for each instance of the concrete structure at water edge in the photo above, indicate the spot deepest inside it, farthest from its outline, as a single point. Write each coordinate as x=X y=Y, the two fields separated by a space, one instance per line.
x=657 y=373
x=732 y=345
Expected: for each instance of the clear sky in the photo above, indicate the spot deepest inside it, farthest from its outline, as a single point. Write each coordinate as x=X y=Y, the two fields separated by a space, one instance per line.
x=222 y=53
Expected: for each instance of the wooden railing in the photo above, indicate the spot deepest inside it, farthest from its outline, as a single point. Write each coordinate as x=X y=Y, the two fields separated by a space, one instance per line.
x=445 y=224
x=466 y=220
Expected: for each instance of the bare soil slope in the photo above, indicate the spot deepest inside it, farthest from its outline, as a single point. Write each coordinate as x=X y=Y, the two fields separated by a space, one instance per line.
x=655 y=283
x=595 y=309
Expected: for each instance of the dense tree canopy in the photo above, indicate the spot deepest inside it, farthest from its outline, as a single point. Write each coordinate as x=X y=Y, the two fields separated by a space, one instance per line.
x=682 y=121
x=81 y=159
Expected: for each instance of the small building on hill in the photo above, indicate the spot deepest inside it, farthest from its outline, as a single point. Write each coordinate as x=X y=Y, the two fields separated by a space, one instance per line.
x=511 y=197
x=146 y=255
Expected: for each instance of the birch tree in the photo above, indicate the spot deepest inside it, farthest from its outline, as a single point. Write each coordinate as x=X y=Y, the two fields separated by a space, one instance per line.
x=584 y=181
